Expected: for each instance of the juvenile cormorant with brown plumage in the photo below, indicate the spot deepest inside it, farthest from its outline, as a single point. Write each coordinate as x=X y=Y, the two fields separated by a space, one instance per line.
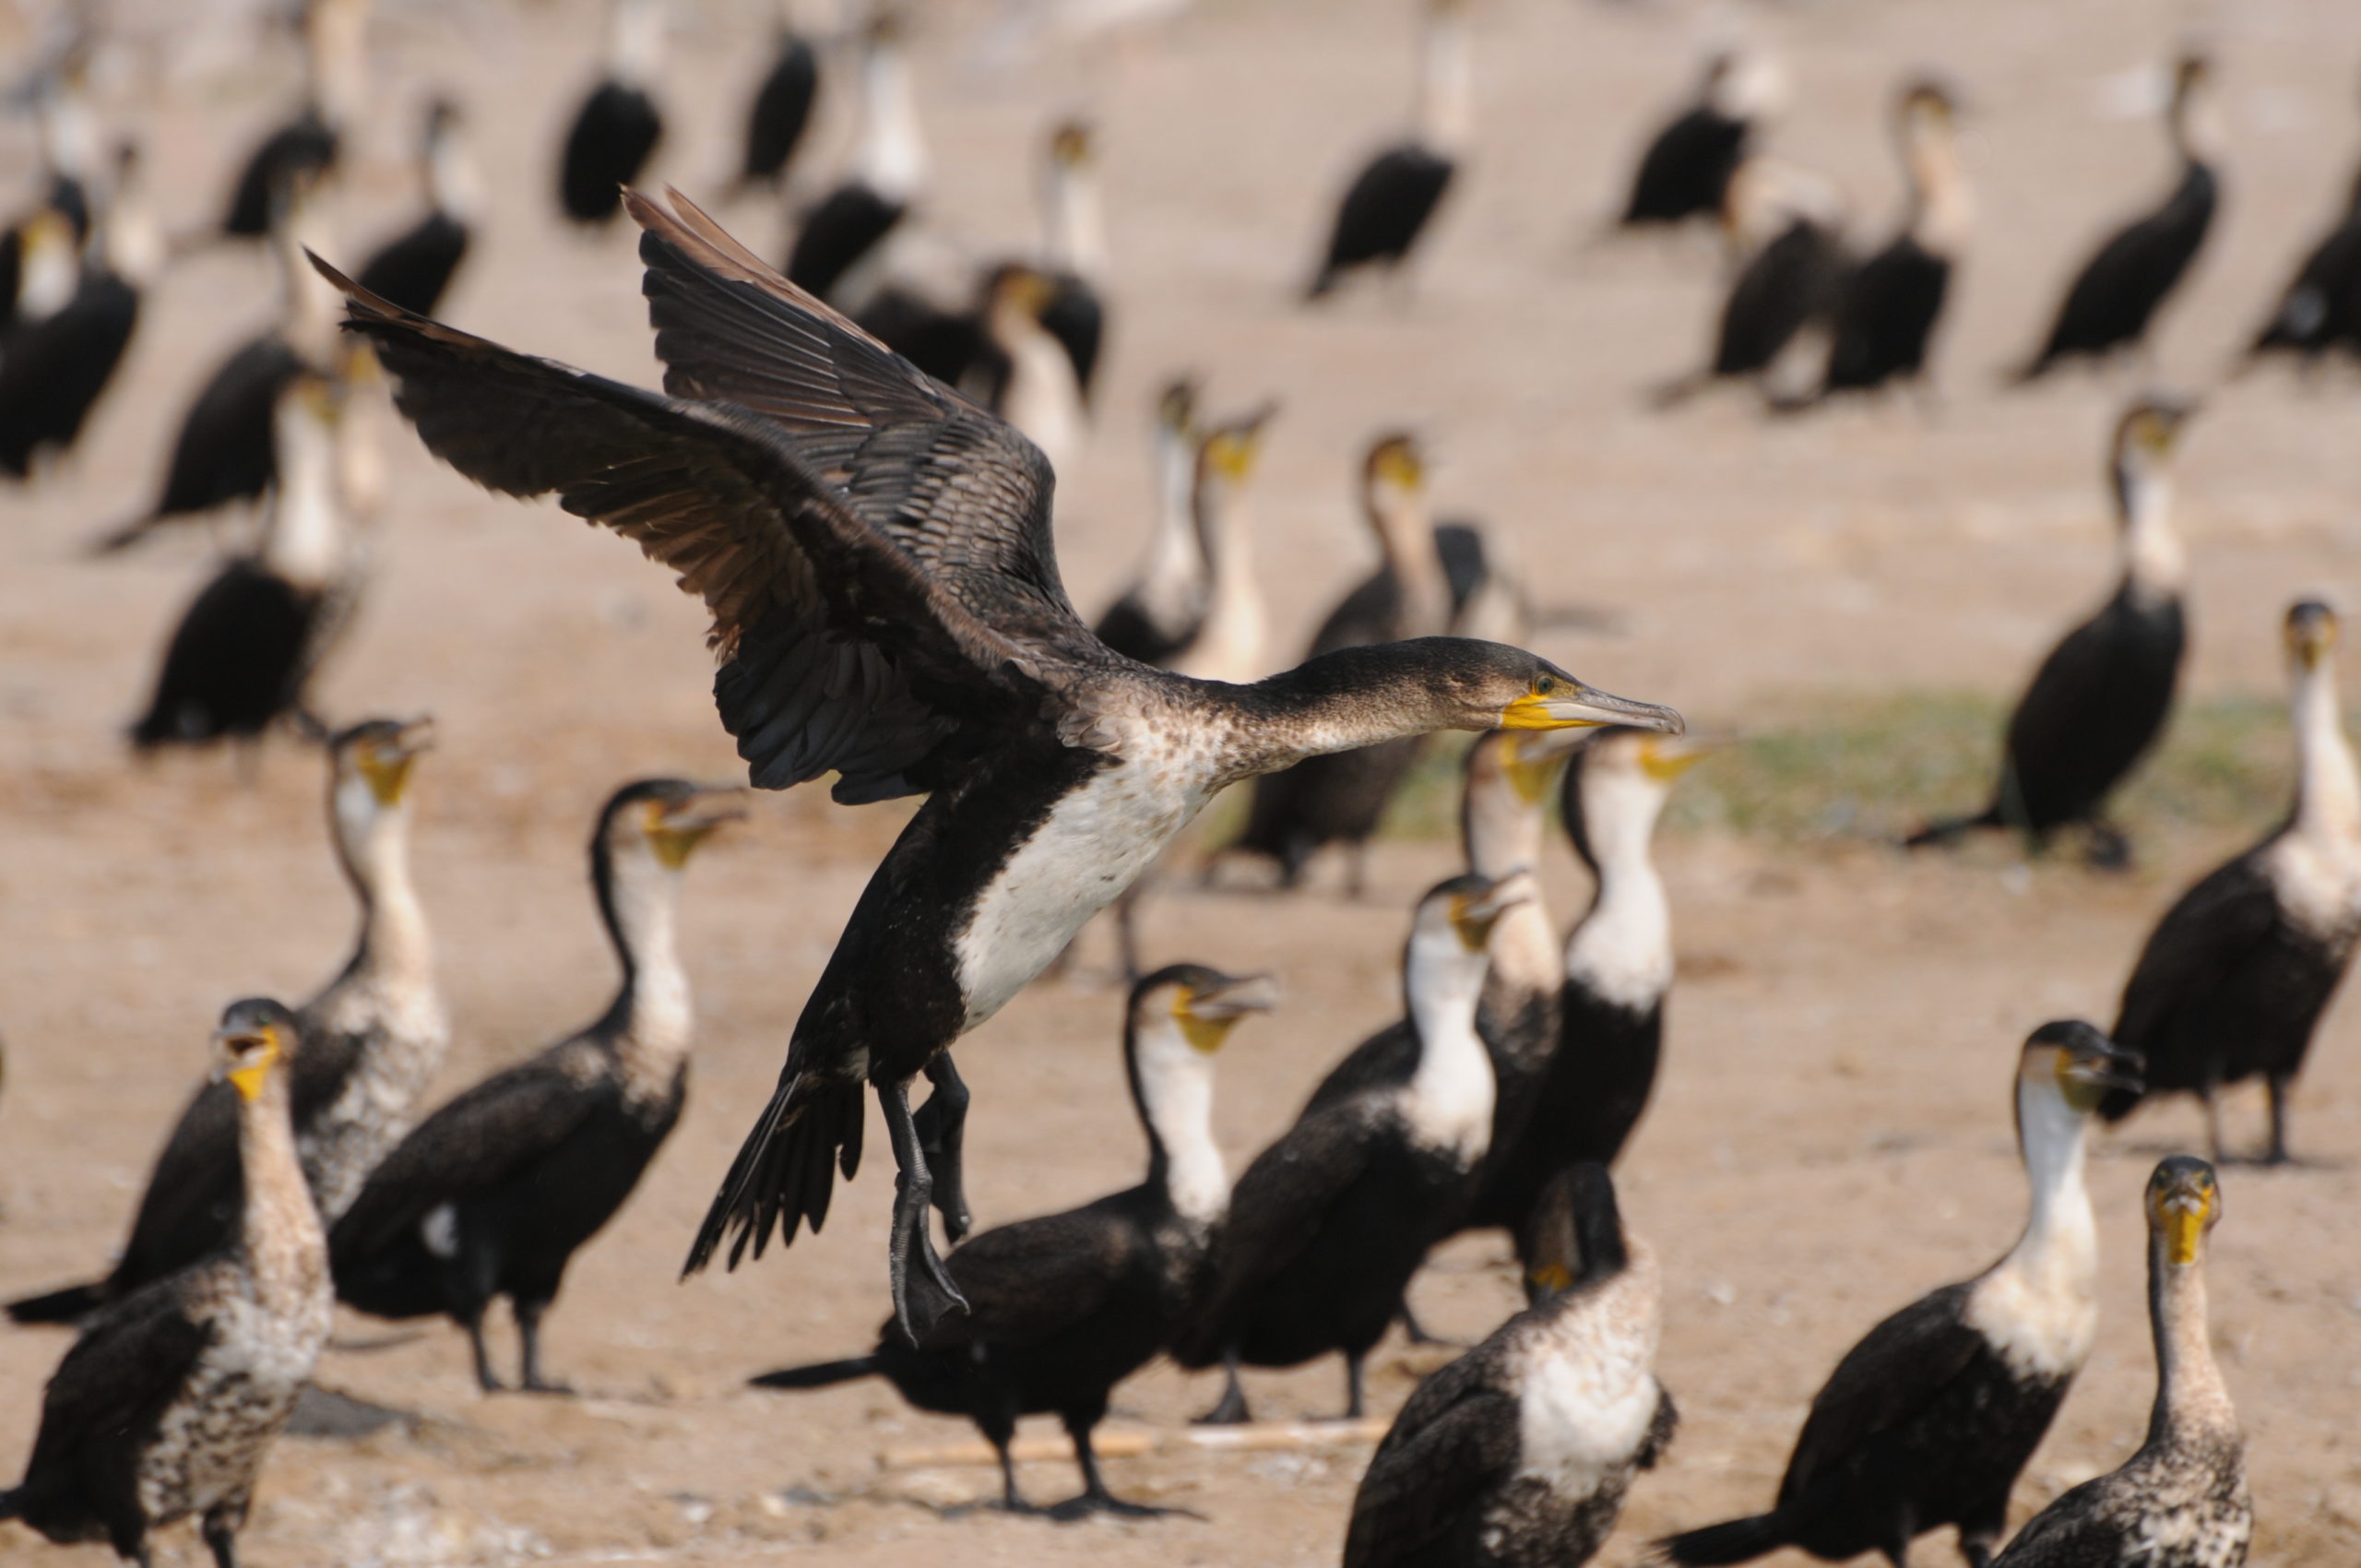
x=2233 y=981
x=1928 y=1420
x=1063 y=1308
x=365 y=1050
x=1518 y=1454
x=2180 y=1502
x=494 y=1193
x=168 y=1402
x=876 y=556
x=1392 y=201
x=2100 y=700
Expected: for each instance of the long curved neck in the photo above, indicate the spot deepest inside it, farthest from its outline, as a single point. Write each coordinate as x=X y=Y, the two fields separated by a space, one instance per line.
x=2327 y=790
x=1942 y=211
x=1502 y=832
x=1622 y=949
x=2191 y=1401
x=279 y=1230
x=1229 y=645
x=2195 y=132
x=2156 y=566
x=2059 y=1245
x=893 y=155
x=305 y=542
x=374 y=846
x=1448 y=1102
x=309 y=305
x=1405 y=533
x=1074 y=221
x=335 y=40
x=1446 y=80
x=651 y=1019
x=1341 y=701
x=452 y=182
x=635 y=42
x=1172 y=1086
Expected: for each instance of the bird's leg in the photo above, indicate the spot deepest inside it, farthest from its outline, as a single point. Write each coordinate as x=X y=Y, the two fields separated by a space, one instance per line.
x=528 y=1339
x=473 y=1324
x=2109 y=850
x=1353 y=1384
x=923 y=1294
x=942 y=1124
x=2277 y=1153
x=1095 y=1498
x=220 y=1531
x=1000 y=1428
x=1231 y=1411
x=1127 y=932
x=1897 y=1546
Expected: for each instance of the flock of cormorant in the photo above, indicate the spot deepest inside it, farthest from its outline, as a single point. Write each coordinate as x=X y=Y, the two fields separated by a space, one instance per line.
x=854 y=470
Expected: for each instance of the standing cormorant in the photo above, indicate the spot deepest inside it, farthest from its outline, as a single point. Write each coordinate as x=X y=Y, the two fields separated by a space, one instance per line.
x=851 y=224
x=166 y=1404
x=1073 y=248
x=1341 y=798
x=492 y=1194
x=1518 y=1454
x=1160 y=613
x=2100 y=700
x=415 y=266
x=876 y=556
x=1928 y=1420
x=1886 y=312
x=617 y=128
x=2321 y=307
x=1789 y=224
x=2117 y=294
x=2233 y=981
x=246 y=648
x=1063 y=1308
x=1330 y=1222
x=781 y=109
x=1387 y=206
x=2181 y=1501
x=305 y=149
x=364 y=1047
x=1685 y=172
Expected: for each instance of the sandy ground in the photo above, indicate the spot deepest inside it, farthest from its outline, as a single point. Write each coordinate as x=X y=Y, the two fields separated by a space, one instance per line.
x=1832 y=1134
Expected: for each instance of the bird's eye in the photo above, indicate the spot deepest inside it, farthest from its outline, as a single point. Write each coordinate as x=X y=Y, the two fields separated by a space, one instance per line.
x=1545 y=685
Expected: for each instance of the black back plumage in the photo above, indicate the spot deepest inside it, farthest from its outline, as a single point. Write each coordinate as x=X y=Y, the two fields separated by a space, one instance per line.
x=52 y=370
x=2118 y=292
x=780 y=112
x=414 y=268
x=836 y=232
x=226 y=450
x=2321 y=308
x=1686 y=168
x=1383 y=212
x=2095 y=708
x=1885 y=315
x=1792 y=282
x=297 y=151
x=238 y=661
x=613 y=136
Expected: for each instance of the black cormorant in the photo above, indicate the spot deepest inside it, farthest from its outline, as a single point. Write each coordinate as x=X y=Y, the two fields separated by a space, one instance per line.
x=166 y=1404
x=414 y=268
x=1341 y=798
x=246 y=648
x=781 y=109
x=1928 y=1420
x=849 y=225
x=2181 y=1501
x=1063 y=1308
x=1787 y=224
x=365 y=1049
x=2117 y=294
x=1389 y=202
x=1686 y=170
x=1073 y=248
x=2321 y=307
x=306 y=148
x=1887 y=309
x=2233 y=982
x=1330 y=1222
x=492 y=1194
x=1518 y=1454
x=876 y=556
x=2100 y=700
x=615 y=131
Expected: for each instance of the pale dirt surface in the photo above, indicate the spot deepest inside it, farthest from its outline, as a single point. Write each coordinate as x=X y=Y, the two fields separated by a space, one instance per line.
x=1831 y=1134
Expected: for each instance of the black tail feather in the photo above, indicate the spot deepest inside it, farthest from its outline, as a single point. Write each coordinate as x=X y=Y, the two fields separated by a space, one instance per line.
x=69 y=1306
x=785 y=1173
x=820 y=1374
x=1736 y=1540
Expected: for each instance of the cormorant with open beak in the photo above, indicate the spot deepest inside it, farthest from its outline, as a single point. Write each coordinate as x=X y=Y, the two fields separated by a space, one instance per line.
x=495 y=1192
x=1063 y=1308
x=1928 y=1420
x=2233 y=981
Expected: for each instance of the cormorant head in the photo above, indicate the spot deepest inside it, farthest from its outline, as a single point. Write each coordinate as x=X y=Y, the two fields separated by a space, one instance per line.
x=2312 y=632
x=665 y=819
x=1203 y=1003
x=2079 y=1064
x=1070 y=144
x=1574 y=1235
x=2149 y=431
x=374 y=757
x=1393 y=473
x=2195 y=126
x=256 y=1038
x=1020 y=291
x=1176 y=411
x=443 y=117
x=1618 y=784
x=887 y=25
x=2184 y=1203
x=1926 y=107
x=1469 y=906
x=1227 y=451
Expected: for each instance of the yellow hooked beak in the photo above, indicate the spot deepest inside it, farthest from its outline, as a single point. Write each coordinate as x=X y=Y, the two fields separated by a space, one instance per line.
x=1206 y=1016
x=257 y=1054
x=386 y=765
x=1668 y=760
x=1557 y=701
x=675 y=831
x=2184 y=1223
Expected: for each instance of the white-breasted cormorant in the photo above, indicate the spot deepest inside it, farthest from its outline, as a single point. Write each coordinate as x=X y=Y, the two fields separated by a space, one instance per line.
x=1073 y=248
x=1686 y=170
x=166 y=1404
x=1928 y=1420
x=2099 y=701
x=414 y=268
x=1341 y=798
x=1787 y=224
x=1391 y=201
x=2233 y=981
x=781 y=109
x=615 y=131
x=1886 y=310
x=2180 y=1502
x=2116 y=296
x=1518 y=1454
x=306 y=148
x=246 y=648
x=877 y=558
x=848 y=227
x=493 y=1193
x=1063 y=1308
x=364 y=1047
x=1329 y=1223
x=1159 y=614
x=40 y=249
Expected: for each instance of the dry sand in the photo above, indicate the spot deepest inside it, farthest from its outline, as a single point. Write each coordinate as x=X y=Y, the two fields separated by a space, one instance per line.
x=1832 y=1134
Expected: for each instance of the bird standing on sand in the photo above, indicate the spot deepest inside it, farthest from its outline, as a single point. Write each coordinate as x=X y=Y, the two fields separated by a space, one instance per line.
x=875 y=552
x=166 y=1404
x=1390 y=203
x=335 y=37
x=2232 y=982
x=1886 y=312
x=416 y=266
x=1063 y=1308
x=781 y=109
x=615 y=131
x=1686 y=170
x=838 y=253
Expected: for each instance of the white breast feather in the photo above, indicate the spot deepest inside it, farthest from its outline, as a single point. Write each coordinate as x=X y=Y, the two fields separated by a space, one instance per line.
x=2039 y=1329
x=1588 y=1398
x=2319 y=883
